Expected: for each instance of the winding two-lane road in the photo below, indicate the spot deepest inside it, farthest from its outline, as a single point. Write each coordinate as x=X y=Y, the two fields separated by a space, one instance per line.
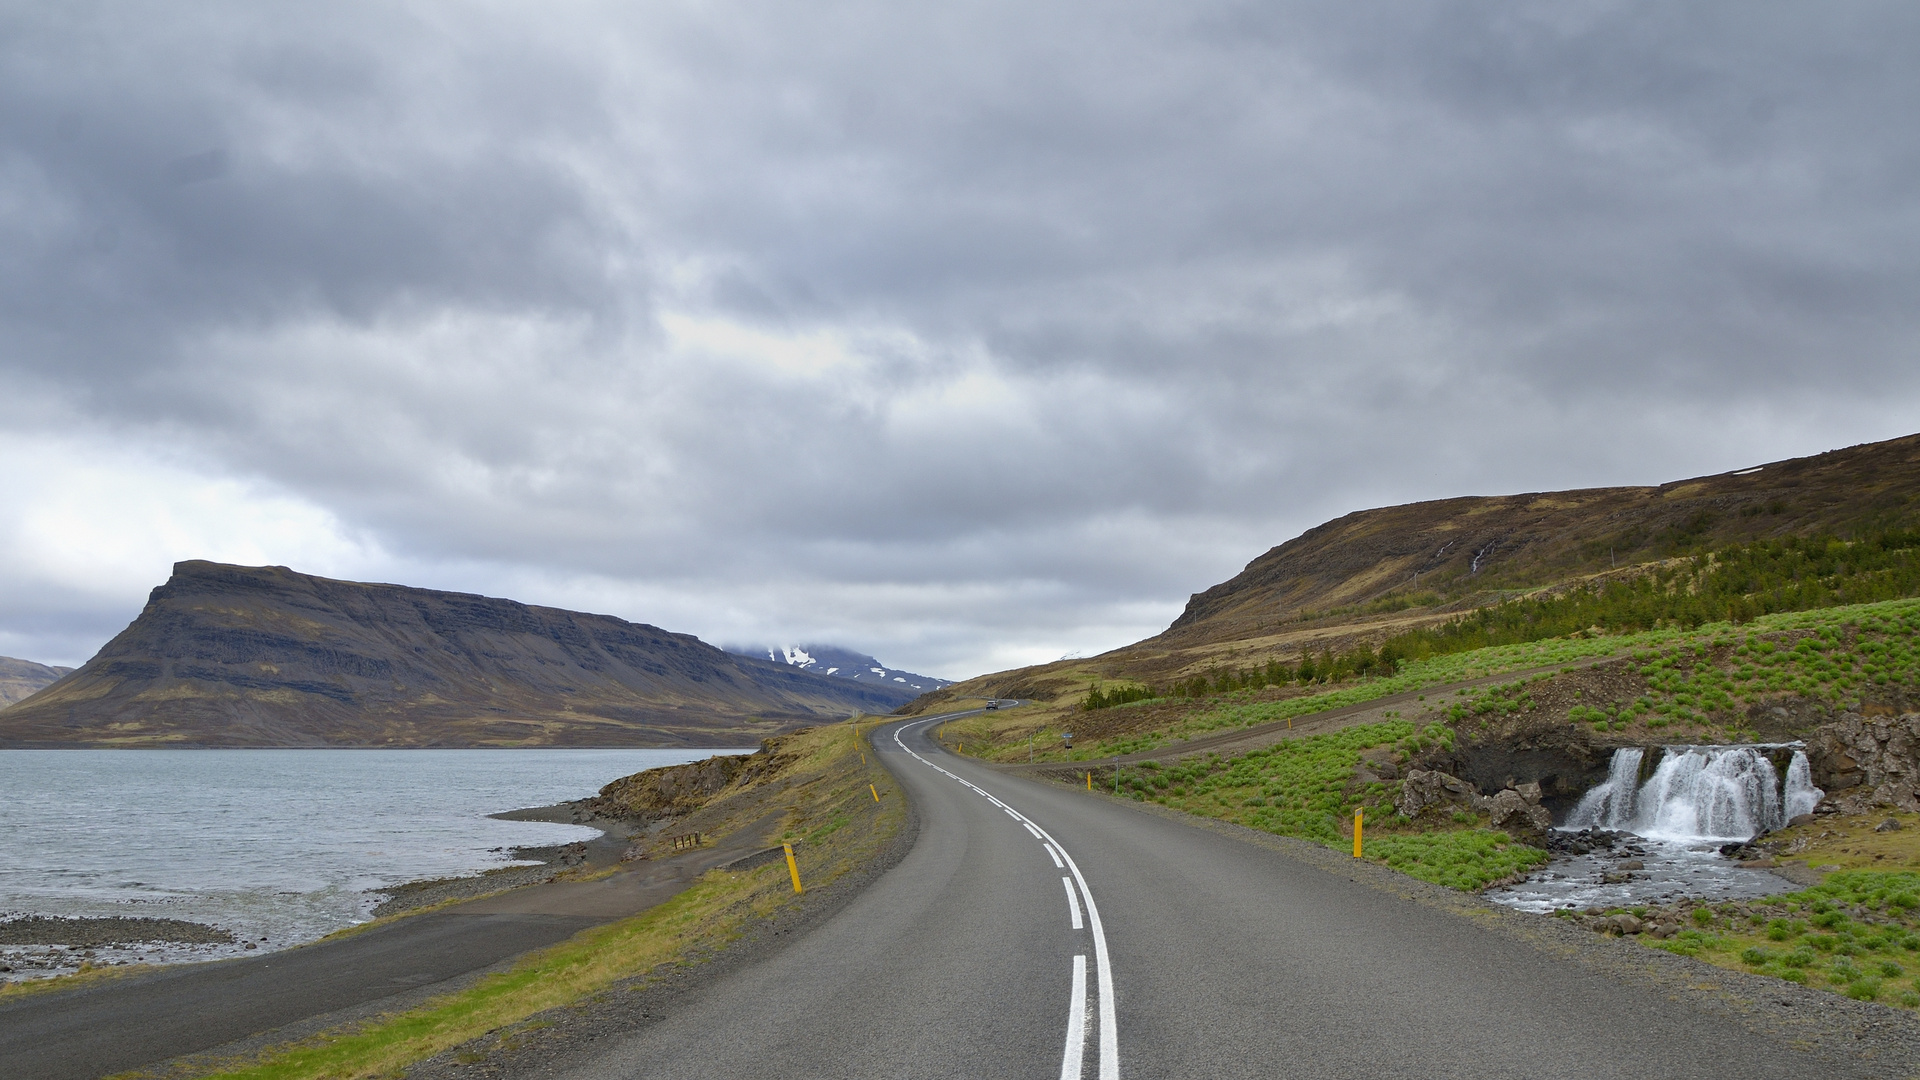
x=1035 y=931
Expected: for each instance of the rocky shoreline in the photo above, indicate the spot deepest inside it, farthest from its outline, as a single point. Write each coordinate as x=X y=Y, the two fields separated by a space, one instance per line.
x=34 y=946
x=97 y=933
x=610 y=847
x=412 y=895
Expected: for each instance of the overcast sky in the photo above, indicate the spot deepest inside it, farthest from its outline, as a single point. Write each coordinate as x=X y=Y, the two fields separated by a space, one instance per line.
x=968 y=335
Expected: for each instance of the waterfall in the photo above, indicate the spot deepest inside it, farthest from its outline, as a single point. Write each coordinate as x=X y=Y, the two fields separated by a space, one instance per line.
x=1699 y=793
x=1610 y=806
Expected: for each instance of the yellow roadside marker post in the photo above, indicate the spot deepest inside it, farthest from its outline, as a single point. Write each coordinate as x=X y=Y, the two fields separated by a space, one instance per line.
x=876 y=793
x=793 y=868
x=1089 y=781
x=1356 y=833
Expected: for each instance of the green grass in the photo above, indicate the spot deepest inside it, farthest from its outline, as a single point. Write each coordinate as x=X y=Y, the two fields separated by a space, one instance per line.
x=711 y=910
x=1239 y=710
x=1710 y=674
x=1854 y=650
x=1302 y=788
x=1466 y=859
x=1738 y=582
x=1840 y=656
x=1857 y=933
x=1293 y=788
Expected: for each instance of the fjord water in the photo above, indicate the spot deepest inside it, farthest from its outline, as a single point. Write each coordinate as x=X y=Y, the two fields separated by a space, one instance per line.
x=274 y=844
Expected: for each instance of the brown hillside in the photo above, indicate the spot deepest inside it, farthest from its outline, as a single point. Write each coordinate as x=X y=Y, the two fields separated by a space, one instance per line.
x=263 y=656
x=1346 y=578
x=1457 y=547
x=20 y=679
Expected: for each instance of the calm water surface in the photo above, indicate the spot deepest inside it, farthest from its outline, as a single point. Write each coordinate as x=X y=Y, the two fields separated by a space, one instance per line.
x=274 y=844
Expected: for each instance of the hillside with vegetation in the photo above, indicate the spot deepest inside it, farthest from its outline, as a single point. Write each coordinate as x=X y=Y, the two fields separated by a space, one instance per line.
x=1461 y=719
x=1367 y=591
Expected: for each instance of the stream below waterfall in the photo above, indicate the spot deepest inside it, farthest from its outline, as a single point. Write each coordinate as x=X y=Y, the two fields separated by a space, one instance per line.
x=1652 y=831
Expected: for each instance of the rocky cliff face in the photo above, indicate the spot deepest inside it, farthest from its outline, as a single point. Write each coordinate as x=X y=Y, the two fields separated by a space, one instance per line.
x=21 y=679
x=1867 y=762
x=263 y=656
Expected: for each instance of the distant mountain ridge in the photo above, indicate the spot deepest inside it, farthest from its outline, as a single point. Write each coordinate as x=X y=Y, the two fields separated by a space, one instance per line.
x=264 y=656
x=20 y=679
x=843 y=664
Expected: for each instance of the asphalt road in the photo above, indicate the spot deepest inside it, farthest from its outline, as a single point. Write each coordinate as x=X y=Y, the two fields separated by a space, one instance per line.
x=1140 y=946
x=1032 y=931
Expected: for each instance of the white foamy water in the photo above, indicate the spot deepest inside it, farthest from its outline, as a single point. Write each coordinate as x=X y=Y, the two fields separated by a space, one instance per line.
x=1696 y=798
x=274 y=844
x=1699 y=793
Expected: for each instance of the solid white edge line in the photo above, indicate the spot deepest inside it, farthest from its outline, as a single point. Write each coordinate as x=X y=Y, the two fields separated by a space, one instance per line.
x=1073 y=1059
x=1073 y=902
x=1109 y=1035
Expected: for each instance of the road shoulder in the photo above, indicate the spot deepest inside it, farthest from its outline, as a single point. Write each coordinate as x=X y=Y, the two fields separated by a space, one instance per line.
x=1820 y=1024
x=554 y=1042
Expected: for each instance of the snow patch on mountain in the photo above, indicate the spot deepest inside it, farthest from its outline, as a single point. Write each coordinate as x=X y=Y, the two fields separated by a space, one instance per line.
x=841 y=664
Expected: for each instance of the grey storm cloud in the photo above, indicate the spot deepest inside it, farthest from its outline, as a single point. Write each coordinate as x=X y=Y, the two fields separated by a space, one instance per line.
x=961 y=336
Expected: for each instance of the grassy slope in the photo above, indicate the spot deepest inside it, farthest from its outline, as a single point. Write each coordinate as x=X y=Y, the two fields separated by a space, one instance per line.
x=1857 y=933
x=1699 y=686
x=1375 y=574
x=825 y=806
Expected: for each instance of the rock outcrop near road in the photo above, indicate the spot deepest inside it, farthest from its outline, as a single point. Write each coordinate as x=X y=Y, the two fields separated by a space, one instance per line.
x=263 y=656
x=1867 y=762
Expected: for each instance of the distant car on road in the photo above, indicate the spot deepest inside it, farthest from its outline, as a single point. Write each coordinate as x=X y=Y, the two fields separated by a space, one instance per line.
x=993 y=704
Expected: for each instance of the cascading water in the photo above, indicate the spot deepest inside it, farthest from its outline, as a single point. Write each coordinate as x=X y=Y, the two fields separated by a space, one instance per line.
x=1683 y=805
x=1699 y=793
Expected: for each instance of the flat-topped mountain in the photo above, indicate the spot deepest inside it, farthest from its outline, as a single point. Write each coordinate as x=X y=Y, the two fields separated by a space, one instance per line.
x=20 y=679
x=263 y=656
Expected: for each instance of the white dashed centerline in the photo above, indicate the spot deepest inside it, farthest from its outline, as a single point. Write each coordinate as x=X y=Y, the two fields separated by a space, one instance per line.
x=1073 y=1060
x=1073 y=903
x=1102 y=962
